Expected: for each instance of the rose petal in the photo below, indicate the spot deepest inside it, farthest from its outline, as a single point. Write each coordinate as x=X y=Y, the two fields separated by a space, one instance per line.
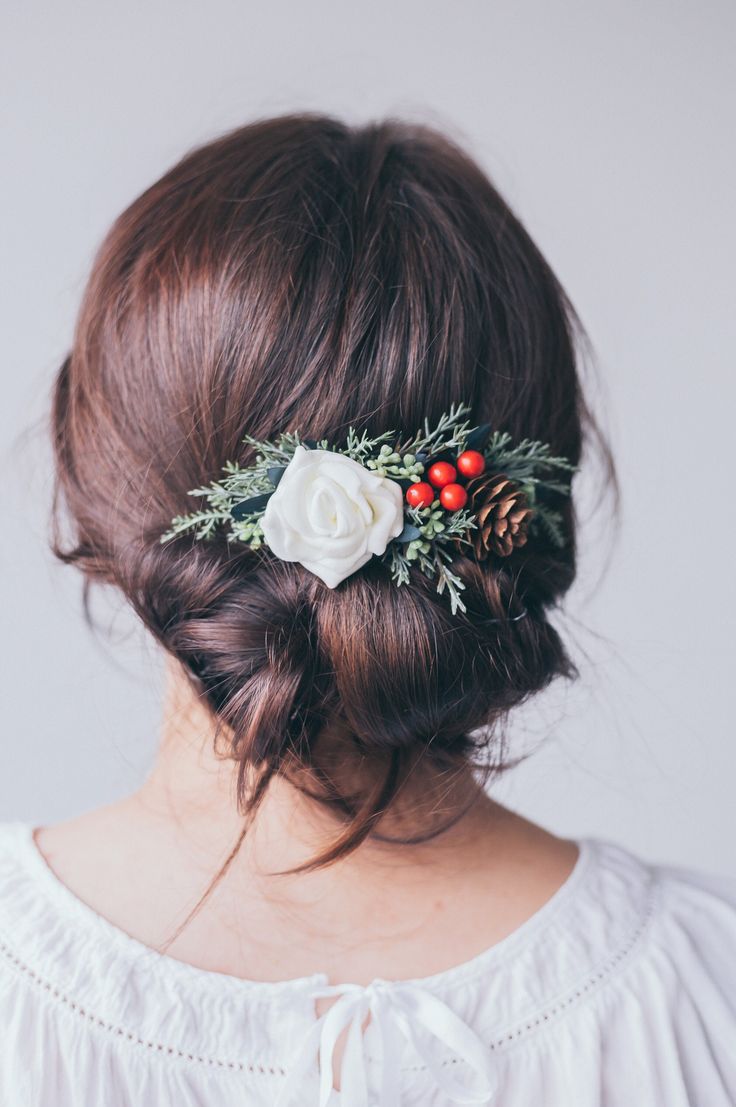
x=331 y=514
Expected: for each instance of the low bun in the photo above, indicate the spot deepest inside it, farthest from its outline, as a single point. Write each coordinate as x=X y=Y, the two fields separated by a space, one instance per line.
x=302 y=275
x=409 y=674
x=278 y=656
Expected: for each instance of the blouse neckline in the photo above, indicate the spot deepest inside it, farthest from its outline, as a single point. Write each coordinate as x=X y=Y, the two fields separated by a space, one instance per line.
x=561 y=952
x=68 y=902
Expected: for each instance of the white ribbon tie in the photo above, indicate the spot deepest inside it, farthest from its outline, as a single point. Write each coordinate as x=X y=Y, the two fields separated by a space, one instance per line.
x=396 y=1009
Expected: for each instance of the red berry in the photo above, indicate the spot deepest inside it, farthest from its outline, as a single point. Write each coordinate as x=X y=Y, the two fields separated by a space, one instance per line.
x=442 y=473
x=453 y=497
x=420 y=494
x=471 y=463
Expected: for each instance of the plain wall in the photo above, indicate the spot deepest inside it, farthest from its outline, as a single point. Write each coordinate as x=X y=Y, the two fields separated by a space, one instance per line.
x=609 y=127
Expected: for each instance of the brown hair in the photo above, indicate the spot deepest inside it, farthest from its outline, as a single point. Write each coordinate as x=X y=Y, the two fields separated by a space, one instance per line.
x=301 y=274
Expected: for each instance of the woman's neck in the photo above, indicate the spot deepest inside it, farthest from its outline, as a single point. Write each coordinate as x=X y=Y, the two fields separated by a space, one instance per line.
x=386 y=909
x=194 y=785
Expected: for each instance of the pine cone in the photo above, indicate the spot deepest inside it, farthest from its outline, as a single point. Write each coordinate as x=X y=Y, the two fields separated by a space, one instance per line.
x=502 y=513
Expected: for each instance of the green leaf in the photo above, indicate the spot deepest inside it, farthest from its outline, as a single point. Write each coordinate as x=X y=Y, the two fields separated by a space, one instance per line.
x=275 y=473
x=409 y=533
x=251 y=506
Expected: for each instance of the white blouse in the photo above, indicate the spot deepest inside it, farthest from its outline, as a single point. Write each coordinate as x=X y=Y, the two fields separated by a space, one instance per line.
x=620 y=991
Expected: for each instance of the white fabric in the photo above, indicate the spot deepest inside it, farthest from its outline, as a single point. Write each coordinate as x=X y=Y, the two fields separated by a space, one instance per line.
x=619 y=992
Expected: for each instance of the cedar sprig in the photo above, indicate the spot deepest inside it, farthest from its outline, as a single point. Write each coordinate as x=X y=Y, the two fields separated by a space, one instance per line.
x=449 y=433
x=532 y=465
x=431 y=534
x=522 y=461
x=433 y=548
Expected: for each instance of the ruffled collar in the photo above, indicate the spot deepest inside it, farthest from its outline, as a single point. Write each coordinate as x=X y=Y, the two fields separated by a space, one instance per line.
x=567 y=947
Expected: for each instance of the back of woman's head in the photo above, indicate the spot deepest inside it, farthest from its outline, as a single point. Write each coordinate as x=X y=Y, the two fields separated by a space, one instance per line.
x=300 y=274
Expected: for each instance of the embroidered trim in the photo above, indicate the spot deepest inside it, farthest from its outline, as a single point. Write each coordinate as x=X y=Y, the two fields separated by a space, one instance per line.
x=592 y=983
x=128 y=1035
x=543 y=1018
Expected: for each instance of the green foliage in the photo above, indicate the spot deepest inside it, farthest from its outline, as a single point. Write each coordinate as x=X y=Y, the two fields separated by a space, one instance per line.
x=534 y=467
x=449 y=433
x=441 y=533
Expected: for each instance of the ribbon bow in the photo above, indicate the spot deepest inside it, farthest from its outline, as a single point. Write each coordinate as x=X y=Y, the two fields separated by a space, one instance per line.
x=395 y=1008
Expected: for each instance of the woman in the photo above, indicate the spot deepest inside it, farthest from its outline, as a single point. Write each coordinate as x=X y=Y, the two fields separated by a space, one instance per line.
x=346 y=346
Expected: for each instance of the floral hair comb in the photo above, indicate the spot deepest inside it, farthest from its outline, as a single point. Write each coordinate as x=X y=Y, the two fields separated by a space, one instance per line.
x=448 y=490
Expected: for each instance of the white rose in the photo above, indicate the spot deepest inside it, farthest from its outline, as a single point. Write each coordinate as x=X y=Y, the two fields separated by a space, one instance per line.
x=331 y=514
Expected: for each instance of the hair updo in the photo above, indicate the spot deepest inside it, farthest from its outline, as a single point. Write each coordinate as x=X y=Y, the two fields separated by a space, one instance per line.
x=302 y=274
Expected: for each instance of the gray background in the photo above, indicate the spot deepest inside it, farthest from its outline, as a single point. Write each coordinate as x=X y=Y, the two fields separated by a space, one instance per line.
x=609 y=126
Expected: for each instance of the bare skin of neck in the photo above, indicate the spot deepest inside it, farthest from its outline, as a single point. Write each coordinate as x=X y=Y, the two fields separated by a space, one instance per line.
x=387 y=910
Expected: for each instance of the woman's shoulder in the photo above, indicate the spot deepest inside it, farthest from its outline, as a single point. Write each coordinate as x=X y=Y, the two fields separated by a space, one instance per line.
x=696 y=899
x=668 y=1018
x=690 y=910
x=15 y=850
x=621 y=989
x=615 y=897
x=689 y=951
x=681 y=918
x=619 y=923
x=14 y=833
x=614 y=900
x=621 y=927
